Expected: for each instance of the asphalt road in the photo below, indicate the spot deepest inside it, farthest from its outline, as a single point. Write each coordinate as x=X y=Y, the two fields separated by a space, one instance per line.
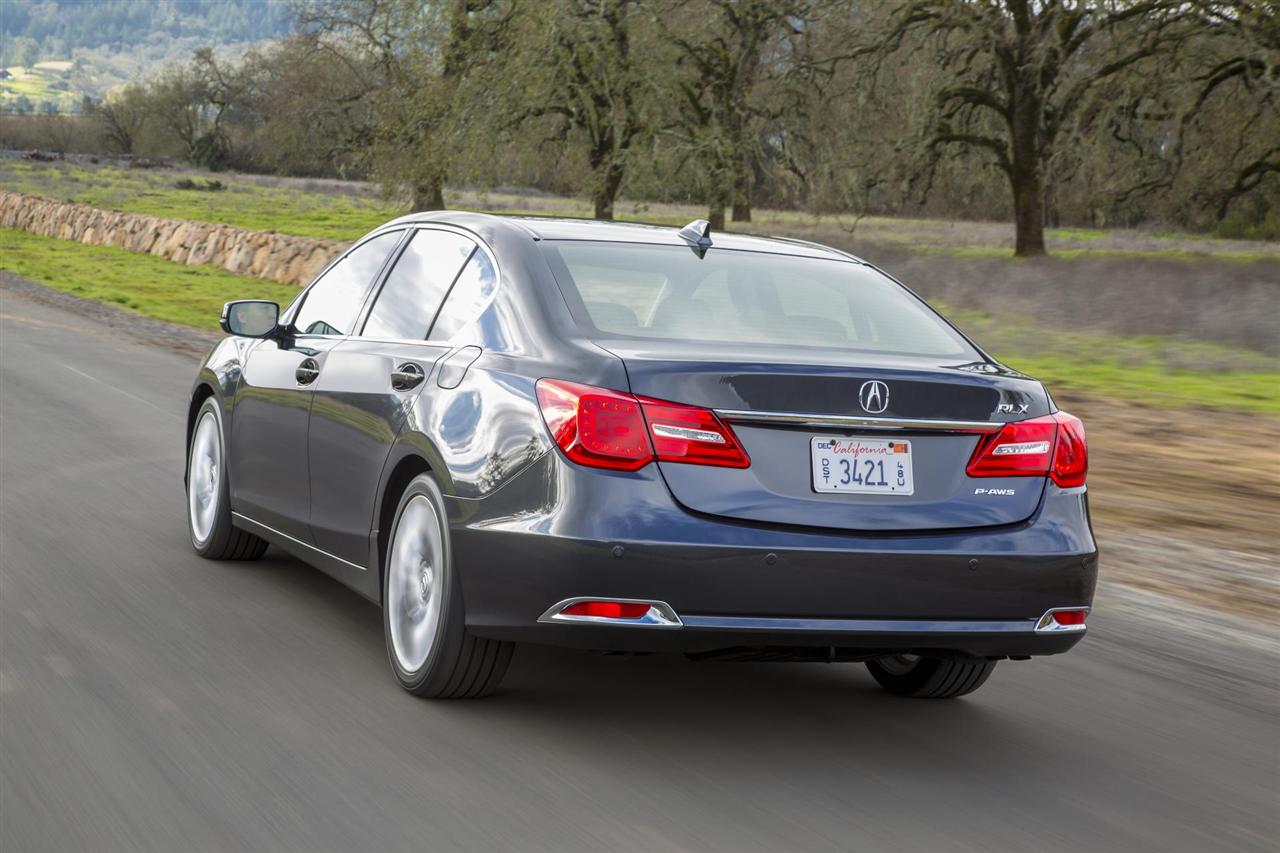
x=152 y=700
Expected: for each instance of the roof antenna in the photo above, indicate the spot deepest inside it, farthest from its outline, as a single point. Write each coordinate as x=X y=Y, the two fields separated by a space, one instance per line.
x=698 y=232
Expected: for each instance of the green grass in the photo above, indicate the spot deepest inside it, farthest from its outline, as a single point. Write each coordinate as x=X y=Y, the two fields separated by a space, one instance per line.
x=1152 y=370
x=36 y=85
x=189 y=295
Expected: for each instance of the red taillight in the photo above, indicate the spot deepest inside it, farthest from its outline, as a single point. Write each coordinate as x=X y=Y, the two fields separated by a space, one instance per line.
x=607 y=609
x=594 y=426
x=1053 y=445
x=689 y=434
x=1069 y=617
x=1071 y=454
x=610 y=429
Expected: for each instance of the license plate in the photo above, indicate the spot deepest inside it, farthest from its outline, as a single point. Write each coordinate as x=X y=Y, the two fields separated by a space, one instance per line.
x=877 y=466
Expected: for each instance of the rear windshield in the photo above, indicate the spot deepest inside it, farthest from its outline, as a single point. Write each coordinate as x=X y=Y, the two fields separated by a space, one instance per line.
x=668 y=292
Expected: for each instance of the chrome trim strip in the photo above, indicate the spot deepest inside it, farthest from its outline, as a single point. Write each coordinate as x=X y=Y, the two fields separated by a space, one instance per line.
x=745 y=416
x=1046 y=625
x=660 y=614
x=307 y=545
x=862 y=626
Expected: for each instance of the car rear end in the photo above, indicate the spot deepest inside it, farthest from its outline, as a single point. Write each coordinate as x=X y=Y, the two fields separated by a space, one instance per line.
x=804 y=462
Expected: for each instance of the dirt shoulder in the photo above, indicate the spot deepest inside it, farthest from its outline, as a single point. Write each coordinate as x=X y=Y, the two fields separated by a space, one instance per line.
x=1185 y=502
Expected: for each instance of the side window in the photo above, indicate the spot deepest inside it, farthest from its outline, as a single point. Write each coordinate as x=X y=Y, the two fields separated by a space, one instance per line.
x=470 y=295
x=417 y=283
x=333 y=302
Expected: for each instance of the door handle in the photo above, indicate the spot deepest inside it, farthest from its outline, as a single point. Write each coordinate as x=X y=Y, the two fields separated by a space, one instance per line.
x=406 y=376
x=307 y=371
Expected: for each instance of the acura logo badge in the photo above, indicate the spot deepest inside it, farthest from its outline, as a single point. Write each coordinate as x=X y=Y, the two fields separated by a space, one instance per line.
x=874 y=397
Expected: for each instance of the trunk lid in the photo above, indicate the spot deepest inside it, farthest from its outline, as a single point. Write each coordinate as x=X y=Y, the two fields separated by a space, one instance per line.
x=779 y=399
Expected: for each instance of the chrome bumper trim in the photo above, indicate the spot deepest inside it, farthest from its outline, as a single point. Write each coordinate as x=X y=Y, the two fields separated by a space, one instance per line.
x=862 y=626
x=743 y=416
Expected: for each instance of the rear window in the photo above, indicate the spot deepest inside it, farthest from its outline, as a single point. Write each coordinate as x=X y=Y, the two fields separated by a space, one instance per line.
x=741 y=297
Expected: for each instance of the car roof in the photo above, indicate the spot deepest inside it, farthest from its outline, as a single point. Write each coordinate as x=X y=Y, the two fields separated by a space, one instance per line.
x=553 y=228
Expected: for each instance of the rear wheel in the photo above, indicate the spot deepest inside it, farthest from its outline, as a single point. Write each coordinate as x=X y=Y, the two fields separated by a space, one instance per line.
x=423 y=617
x=208 y=496
x=929 y=678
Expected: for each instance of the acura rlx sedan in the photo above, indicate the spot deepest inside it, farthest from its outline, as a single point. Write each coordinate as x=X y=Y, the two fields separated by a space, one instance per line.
x=628 y=438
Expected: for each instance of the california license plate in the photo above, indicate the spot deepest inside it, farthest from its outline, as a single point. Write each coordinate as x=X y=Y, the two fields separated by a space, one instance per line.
x=878 y=466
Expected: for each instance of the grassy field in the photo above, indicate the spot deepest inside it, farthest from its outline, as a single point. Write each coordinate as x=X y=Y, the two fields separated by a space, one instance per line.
x=1153 y=370
x=343 y=210
x=189 y=295
x=43 y=82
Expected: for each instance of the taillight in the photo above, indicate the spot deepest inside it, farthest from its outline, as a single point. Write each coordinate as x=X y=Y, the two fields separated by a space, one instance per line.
x=609 y=429
x=1053 y=446
x=693 y=435
x=594 y=426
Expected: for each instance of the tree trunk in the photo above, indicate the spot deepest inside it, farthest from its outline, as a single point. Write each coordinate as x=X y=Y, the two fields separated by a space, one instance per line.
x=607 y=189
x=716 y=217
x=428 y=195
x=742 y=210
x=1028 y=215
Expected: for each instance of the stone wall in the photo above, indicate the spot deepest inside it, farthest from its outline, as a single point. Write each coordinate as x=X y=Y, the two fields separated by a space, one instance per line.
x=263 y=254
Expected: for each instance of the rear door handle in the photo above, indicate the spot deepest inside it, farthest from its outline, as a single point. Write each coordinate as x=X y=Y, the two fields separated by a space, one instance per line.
x=307 y=371
x=406 y=376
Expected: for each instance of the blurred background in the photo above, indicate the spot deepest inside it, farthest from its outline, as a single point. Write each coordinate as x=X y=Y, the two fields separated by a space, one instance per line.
x=1088 y=188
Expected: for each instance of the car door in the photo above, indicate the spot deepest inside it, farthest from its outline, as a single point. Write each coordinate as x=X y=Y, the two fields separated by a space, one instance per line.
x=268 y=446
x=368 y=384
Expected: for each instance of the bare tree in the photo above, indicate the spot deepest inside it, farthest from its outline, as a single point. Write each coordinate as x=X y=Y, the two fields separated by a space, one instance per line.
x=730 y=48
x=1021 y=70
x=413 y=55
x=583 y=51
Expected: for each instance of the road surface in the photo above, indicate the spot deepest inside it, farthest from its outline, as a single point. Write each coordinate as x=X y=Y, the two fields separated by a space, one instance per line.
x=150 y=700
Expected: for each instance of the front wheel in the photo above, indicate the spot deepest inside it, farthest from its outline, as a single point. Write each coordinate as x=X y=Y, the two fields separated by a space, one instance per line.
x=423 y=618
x=929 y=678
x=208 y=496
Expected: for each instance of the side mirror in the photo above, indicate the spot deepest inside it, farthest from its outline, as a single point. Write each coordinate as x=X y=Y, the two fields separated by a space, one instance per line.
x=250 y=318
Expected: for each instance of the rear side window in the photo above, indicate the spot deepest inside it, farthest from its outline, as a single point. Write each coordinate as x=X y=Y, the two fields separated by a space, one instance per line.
x=417 y=284
x=470 y=295
x=332 y=304
x=741 y=297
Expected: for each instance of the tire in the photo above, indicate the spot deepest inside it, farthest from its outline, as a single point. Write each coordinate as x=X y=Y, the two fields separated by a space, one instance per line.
x=213 y=535
x=423 y=617
x=930 y=678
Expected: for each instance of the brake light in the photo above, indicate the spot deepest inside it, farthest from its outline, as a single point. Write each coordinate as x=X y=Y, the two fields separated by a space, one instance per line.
x=1053 y=445
x=609 y=429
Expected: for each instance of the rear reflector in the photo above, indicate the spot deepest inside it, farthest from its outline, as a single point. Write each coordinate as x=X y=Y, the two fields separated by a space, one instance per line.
x=607 y=609
x=1053 y=446
x=601 y=428
x=625 y=612
x=1063 y=619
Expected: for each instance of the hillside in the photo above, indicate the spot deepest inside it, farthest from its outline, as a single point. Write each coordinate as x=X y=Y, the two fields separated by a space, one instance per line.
x=57 y=51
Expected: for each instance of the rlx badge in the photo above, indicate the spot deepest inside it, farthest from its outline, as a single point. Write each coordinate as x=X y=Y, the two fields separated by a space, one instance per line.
x=1012 y=408
x=874 y=397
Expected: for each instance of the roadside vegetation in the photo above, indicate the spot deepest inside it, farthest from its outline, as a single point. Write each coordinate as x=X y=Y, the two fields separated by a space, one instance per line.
x=1152 y=370
x=345 y=210
x=176 y=293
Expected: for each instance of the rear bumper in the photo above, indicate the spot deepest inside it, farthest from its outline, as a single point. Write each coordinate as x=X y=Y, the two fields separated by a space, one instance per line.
x=557 y=532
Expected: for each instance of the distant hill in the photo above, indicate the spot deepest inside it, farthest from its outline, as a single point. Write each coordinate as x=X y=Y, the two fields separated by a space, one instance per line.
x=58 y=27
x=55 y=52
